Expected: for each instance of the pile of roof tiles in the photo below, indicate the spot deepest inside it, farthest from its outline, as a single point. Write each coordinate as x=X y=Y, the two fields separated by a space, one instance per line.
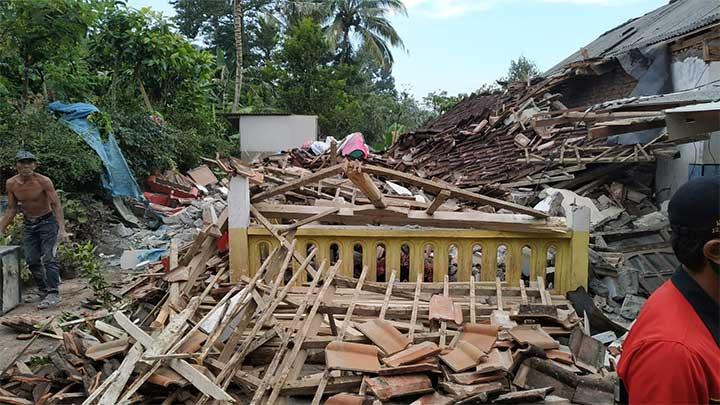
x=493 y=140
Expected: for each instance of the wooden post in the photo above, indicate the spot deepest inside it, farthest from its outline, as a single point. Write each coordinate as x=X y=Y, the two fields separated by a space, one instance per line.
x=366 y=185
x=239 y=220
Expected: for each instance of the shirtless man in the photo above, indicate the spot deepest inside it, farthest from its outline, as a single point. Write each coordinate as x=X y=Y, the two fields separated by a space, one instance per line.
x=35 y=196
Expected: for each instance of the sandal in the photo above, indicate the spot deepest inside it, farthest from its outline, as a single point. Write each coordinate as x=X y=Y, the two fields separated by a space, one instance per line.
x=50 y=300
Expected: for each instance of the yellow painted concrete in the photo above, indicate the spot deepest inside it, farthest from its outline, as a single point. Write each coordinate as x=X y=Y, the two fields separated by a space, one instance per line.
x=570 y=264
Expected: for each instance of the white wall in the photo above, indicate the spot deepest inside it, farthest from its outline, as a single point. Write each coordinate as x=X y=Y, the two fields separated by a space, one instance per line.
x=273 y=133
x=687 y=74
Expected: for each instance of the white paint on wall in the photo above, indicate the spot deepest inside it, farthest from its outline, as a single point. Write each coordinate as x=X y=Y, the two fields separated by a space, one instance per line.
x=274 y=133
x=239 y=202
x=692 y=72
x=670 y=174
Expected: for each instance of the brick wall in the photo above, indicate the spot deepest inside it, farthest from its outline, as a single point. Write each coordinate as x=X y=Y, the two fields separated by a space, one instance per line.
x=587 y=90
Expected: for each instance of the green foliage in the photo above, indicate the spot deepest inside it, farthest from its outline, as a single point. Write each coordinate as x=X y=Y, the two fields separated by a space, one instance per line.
x=36 y=362
x=367 y=24
x=347 y=98
x=82 y=256
x=439 y=102
x=66 y=316
x=13 y=233
x=63 y=156
x=38 y=31
x=295 y=60
x=521 y=69
x=152 y=145
x=141 y=51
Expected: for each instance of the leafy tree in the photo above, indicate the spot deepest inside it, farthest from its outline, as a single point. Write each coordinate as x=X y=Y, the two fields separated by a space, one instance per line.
x=439 y=102
x=140 y=50
x=226 y=24
x=35 y=32
x=365 y=22
x=521 y=70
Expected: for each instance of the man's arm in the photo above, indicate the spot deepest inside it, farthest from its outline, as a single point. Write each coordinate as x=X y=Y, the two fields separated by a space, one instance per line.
x=56 y=207
x=12 y=208
x=666 y=373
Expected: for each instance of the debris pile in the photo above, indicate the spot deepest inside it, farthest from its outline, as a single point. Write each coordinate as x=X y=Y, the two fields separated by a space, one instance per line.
x=184 y=331
x=525 y=137
x=192 y=335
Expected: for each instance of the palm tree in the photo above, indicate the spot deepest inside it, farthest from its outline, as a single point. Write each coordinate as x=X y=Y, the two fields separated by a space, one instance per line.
x=364 y=22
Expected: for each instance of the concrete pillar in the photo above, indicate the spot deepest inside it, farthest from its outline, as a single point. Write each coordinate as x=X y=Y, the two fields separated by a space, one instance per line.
x=238 y=223
x=579 y=223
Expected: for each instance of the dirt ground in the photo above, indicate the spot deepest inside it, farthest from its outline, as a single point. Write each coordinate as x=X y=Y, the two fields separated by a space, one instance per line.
x=73 y=292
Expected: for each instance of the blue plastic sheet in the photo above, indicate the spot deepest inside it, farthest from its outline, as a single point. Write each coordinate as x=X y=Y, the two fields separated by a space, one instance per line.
x=117 y=179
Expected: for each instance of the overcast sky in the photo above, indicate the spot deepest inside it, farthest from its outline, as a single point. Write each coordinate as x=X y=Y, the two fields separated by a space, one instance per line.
x=457 y=45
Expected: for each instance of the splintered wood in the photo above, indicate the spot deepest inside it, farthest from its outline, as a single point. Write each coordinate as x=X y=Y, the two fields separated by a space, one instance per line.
x=263 y=338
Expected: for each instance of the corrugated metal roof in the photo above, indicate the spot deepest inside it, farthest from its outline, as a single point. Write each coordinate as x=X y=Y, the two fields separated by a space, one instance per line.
x=667 y=22
x=704 y=94
x=695 y=108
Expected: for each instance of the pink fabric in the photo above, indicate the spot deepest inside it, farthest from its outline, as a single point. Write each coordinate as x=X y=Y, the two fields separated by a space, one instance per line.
x=355 y=142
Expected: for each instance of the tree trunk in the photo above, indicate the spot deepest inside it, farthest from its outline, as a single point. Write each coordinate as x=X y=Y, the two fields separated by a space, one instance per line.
x=346 y=47
x=145 y=97
x=238 y=18
x=26 y=85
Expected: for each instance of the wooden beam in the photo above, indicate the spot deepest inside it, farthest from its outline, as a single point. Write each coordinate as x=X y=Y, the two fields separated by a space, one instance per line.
x=456 y=192
x=402 y=217
x=579 y=116
x=437 y=202
x=264 y=222
x=282 y=373
x=341 y=335
x=303 y=181
x=416 y=301
x=366 y=185
x=308 y=220
x=609 y=128
x=269 y=377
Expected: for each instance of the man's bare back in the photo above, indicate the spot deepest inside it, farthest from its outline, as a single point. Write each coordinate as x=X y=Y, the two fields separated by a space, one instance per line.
x=31 y=194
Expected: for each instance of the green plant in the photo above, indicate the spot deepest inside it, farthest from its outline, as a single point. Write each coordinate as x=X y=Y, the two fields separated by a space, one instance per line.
x=13 y=233
x=82 y=256
x=36 y=362
x=63 y=156
x=66 y=316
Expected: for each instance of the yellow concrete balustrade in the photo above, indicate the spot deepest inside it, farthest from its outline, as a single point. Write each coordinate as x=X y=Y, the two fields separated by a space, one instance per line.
x=464 y=248
x=358 y=246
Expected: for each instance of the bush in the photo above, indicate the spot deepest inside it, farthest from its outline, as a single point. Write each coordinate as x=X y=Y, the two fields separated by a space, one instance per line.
x=63 y=156
x=152 y=145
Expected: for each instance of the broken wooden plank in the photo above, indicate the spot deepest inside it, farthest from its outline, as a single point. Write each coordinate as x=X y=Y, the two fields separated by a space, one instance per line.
x=282 y=372
x=122 y=375
x=269 y=378
x=341 y=335
x=434 y=187
x=416 y=301
x=362 y=181
x=308 y=220
x=303 y=181
x=438 y=202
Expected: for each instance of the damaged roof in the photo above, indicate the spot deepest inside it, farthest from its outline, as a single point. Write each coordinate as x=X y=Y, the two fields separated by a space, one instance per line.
x=676 y=18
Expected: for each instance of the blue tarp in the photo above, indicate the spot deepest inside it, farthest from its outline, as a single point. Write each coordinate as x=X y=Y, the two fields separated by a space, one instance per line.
x=117 y=179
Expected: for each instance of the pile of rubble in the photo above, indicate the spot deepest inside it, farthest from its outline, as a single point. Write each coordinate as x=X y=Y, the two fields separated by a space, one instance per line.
x=523 y=137
x=190 y=335
x=183 y=331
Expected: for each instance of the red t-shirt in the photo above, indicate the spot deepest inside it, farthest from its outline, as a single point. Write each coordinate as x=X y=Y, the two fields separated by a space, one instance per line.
x=671 y=355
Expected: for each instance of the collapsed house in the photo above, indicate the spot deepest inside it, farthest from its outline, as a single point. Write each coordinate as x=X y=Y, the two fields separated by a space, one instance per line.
x=453 y=269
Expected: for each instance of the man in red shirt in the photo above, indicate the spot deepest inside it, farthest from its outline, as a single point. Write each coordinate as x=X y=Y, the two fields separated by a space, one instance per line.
x=672 y=354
